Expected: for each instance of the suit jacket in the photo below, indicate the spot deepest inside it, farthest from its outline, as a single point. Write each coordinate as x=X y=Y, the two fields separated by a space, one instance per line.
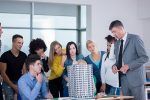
x=134 y=55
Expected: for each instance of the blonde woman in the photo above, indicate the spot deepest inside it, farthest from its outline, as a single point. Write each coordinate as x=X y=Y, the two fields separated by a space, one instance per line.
x=56 y=65
x=95 y=58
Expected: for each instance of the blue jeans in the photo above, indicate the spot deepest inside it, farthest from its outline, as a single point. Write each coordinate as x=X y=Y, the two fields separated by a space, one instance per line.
x=9 y=92
x=65 y=91
x=110 y=90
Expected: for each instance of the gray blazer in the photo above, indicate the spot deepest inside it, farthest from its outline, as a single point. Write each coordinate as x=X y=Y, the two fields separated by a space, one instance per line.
x=134 y=55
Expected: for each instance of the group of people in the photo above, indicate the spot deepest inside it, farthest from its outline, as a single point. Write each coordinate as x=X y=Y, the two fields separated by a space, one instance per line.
x=119 y=68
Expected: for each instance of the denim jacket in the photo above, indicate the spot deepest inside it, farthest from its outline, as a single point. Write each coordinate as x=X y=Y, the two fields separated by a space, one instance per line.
x=69 y=62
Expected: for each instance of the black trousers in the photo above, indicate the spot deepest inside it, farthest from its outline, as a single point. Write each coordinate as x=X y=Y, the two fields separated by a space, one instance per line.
x=56 y=87
x=98 y=86
x=108 y=87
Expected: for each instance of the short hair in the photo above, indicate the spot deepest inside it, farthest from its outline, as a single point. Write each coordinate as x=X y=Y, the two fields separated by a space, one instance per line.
x=36 y=44
x=89 y=42
x=68 y=48
x=31 y=59
x=110 y=38
x=16 y=36
x=115 y=23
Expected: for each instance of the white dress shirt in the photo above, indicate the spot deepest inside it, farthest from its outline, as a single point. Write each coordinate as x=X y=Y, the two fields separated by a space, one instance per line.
x=124 y=39
x=107 y=76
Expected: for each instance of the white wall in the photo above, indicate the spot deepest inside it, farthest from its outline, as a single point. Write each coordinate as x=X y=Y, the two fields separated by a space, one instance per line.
x=146 y=36
x=106 y=11
x=144 y=17
x=144 y=8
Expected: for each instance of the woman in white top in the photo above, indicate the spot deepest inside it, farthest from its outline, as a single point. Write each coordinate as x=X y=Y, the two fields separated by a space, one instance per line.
x=110 y=84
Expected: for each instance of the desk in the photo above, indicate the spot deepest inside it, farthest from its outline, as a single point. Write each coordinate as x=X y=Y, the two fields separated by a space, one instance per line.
x=105 y=98
x=117 y=98
x=147 y=84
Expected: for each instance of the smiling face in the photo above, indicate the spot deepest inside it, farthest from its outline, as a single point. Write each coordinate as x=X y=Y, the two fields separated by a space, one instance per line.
x=18 y=43
x=72 y=50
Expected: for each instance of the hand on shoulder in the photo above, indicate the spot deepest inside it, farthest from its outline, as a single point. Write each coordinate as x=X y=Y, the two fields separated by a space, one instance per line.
x=64 y=57
x=81 y=62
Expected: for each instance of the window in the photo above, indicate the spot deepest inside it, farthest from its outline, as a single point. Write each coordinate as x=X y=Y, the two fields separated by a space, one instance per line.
x=83 y=30
x=50 y=35
x=83 y=17
x=7 y=38
x=46 y=21
x=15 y=20
x=83 y=41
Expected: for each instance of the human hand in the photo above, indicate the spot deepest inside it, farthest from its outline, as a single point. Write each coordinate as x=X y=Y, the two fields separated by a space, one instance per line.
x=63 y=51
x=80 y=62
x=63 y=60
x=124 y=69
x=64 y=57
x=15 y=87
x=100 y=95
x=49 y=96
x=114 y=69
x=67 y=79
x=75 y=62
x=103 y=87
x=43 y=56
x=39 y=77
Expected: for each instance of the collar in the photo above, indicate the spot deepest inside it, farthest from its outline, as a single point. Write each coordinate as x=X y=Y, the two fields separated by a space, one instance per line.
x=124 y=37
x=30 y=76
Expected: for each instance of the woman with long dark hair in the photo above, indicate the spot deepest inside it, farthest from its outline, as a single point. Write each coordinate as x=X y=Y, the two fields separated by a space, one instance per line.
x=110 y=84
x=72 y=57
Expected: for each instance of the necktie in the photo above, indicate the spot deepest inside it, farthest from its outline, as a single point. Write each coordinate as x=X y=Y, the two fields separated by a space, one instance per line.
x=120 y=61
x=120 y=55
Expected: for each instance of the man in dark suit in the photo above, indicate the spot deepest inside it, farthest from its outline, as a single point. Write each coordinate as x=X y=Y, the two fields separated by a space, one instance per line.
x=130 y=58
